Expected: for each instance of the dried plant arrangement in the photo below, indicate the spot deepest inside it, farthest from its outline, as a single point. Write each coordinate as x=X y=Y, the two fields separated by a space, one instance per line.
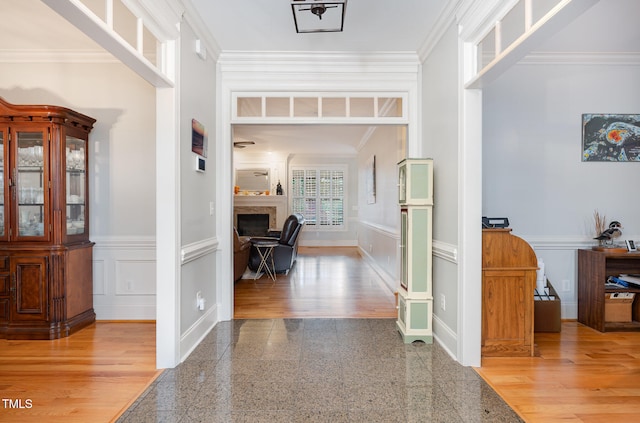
x=600 y=222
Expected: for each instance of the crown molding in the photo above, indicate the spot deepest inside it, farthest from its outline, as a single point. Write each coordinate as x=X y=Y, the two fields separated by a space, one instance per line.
x=582 y=58
x=327 y=61
x=476 y=17
x=192 y=17
x=445 y=19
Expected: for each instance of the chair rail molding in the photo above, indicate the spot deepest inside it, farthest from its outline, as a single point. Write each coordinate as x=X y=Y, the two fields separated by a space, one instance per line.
x=382 y=229
x=445 y=251
x=198 y=249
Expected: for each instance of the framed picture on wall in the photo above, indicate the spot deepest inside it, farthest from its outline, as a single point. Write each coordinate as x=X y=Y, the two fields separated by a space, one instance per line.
x=198 y=138
x=610 y=137
x=371 y=179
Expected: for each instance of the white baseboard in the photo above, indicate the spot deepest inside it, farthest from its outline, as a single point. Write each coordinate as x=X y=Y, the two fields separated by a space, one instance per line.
x=125 y=312
x=568 y=310
x=192 y=337
x=328 y=243
x=446 y=337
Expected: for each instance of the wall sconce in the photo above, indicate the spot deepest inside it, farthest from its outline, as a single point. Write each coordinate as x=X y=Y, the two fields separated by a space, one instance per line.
x=318 y=15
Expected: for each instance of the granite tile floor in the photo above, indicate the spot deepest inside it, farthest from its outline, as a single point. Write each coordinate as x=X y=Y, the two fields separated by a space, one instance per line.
x=317 y=370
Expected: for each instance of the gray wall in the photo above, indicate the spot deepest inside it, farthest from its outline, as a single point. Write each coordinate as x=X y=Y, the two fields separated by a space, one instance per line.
x=197 y=189
x=378 y=231
x=533 y=172
x=440 y=142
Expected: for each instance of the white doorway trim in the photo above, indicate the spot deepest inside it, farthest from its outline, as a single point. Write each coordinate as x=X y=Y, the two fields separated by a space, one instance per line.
x=278 y=73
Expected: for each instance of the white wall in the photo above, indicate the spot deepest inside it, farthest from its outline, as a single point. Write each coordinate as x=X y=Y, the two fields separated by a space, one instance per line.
x=378 y=229
x=197 y=194
x=533 y=173
x=121 y=172
x=440 y=142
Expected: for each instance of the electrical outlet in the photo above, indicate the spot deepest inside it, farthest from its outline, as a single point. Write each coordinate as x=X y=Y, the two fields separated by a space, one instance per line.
x=566 y=285
x=130 y=286
x=443 y=303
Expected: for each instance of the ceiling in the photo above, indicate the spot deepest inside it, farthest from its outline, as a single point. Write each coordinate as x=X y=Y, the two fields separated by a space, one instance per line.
x=267 y=25
x=369 y=25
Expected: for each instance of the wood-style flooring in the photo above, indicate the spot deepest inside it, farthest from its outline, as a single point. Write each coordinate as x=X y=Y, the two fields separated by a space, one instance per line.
x=90 y=376
x=578 y=375
x=324 y=282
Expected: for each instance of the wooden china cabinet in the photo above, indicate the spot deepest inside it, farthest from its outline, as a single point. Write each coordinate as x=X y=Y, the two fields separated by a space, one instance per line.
x=46 y=287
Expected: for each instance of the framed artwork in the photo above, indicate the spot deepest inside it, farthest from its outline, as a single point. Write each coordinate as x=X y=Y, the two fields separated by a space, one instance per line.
x=371 y=180
x=198 y=138
x=611 y=137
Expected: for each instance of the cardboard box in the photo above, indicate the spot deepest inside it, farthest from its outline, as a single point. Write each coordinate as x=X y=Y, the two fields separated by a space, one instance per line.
x=546 y=311
x=617 y=306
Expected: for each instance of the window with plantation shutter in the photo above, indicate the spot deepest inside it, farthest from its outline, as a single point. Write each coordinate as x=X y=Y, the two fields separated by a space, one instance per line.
x=319 y=195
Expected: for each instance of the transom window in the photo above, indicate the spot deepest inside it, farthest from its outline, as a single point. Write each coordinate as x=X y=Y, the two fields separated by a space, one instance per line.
x=321 y=107
x=318 y=194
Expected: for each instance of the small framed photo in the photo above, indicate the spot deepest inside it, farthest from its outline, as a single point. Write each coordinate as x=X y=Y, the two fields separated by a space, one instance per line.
x=631 y=245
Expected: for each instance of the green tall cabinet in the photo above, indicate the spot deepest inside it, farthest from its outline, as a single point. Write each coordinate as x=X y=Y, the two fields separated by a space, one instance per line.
x=415 y=295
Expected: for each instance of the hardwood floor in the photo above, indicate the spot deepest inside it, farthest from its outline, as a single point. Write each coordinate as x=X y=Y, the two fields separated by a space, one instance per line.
x=577 y=375
x=91 y=376
x=324 y=282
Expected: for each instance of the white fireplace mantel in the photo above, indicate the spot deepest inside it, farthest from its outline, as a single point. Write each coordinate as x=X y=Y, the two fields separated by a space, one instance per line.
x=277 y=201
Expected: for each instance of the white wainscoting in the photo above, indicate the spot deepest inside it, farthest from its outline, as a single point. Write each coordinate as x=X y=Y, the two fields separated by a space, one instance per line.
x=124 y=278
x=198 y=260
x=379 y=247
x=560 y=257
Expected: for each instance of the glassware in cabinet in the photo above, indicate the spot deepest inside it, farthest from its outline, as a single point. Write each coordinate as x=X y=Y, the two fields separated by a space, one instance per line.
x=30 y=182
x=75 y=155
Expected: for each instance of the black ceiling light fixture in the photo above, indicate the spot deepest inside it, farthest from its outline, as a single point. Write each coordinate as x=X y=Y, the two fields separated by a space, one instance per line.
x=242 y=144
x=318 y=15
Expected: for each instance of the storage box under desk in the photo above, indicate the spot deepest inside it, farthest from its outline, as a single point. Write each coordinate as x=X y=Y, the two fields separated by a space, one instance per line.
x=617 y=307
x=546 y=312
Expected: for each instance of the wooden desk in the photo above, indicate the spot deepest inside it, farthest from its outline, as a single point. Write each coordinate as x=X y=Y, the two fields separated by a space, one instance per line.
x=509 y=267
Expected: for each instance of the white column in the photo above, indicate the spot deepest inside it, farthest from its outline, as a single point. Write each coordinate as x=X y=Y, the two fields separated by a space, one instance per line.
x=469 y=216
x=168 y=239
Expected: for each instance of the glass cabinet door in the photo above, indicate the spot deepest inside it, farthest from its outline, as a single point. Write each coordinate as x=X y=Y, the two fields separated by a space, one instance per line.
x=75 y=151
x=402 y=183
x=404 y=258
x=30 y=183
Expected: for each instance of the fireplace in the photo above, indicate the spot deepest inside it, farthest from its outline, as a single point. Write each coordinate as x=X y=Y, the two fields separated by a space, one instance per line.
x=269 y=211
x=253 y=224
